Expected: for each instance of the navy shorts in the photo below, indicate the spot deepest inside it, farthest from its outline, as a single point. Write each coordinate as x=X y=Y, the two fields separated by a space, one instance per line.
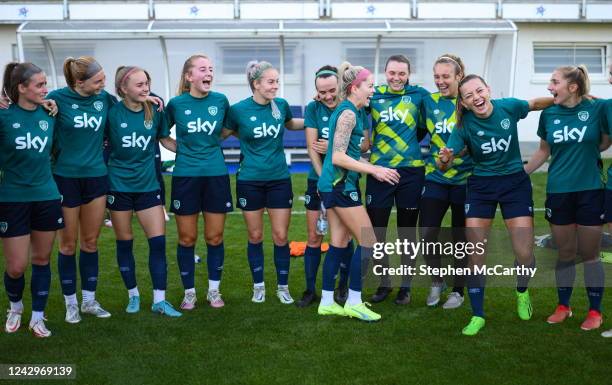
x=452 y=193
x=406 y=194
x=339 y=198
x=512 y=193
x=608 y=217
x=76 y=192
x=254 y=195
x=21 y=218
x=312 y=199
x=194 y=194
x=584 y=208
x=128 y=201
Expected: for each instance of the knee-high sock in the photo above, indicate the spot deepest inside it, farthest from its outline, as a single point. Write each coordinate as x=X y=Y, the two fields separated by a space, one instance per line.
x=41 y=282
x=312 y=260
x=256 y=261
x=185 y=257
x=126 y=263
x=522 y=280
x=476 y=288
x=345 y=263
x=88 y=265
x=67 y=269
x=594 y=277
x=214 y=259
x=14 y=287
x=157 y=262
x=330 y=267
x=565 y=275
x=282 y=262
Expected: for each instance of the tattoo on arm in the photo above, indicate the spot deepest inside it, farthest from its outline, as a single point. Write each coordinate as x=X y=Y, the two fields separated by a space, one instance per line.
x=344 y=127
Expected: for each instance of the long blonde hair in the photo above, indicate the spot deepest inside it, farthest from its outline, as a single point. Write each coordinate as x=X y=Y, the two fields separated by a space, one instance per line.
x=121 y=78
x=184 y=85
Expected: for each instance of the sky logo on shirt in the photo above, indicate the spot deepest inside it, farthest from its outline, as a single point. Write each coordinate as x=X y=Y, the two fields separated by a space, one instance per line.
x=389 y=115
x=444 y=127
x=86 y=121
x=200 y=125
x=30 y=142
x=266 y=130
x=134 y=141
x=325 y=132
x=567 y=134
x=495 y=145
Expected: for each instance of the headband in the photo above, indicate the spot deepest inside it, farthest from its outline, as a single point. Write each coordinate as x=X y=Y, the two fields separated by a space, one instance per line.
x=92 y=69
x=449 y=58
x=127 y=74
x=361 y=76
x=326 y=72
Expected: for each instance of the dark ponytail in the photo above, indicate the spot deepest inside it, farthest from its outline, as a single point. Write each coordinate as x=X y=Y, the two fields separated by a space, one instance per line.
x=16 y=74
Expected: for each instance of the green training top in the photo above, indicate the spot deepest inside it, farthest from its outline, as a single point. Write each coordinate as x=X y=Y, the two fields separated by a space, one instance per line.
x=440 y=119
x=262 y=155
x=25 y=155
x=492 y=142
x=332 y=175
x=396 y=117
x=79 y=133
x=574 y=136
x=132 y=141
x=317 y=116
x=199 y=123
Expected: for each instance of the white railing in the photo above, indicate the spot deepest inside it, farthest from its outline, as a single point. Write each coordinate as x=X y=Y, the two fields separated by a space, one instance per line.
x=324 y=6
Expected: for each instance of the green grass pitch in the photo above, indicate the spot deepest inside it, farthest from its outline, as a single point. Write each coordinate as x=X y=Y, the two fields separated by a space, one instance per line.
x=271 y=343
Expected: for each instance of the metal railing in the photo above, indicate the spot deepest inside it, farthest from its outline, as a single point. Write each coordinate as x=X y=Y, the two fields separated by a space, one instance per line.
x=325 y=6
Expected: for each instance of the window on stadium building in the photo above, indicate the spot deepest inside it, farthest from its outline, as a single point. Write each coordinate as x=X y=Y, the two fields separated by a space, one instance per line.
x=234 y=58
x=366 y=57
x=548 y=57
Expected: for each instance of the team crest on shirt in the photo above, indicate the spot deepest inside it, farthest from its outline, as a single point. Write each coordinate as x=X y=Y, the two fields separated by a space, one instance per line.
x=176 y=203
x=480 y=133
x=252 y=118
x=583 y=115
x=123 y=125
x=3 y=227
x=187 y=112
x=406 y=99
x=556 y=121
x=548 y=212
x=16 y=125
x=276 y=114
x=325 y=119
x=505 y=124
x=212 y=110
x=436 y=111
x=43 y=124
x=307 y=198
x=148 y=124
x=98 y=105
x=75 y=106
x=110 y=199
x=354 y=196
x=466 y=207
x=242 y=201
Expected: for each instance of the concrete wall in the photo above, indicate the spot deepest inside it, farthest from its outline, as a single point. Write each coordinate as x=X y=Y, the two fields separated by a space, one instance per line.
x=529 y=85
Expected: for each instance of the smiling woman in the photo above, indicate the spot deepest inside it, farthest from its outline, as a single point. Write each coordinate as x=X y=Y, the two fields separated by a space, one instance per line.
x=263 y=180
x=30 y=210
x=200 y=181
x=488 y=130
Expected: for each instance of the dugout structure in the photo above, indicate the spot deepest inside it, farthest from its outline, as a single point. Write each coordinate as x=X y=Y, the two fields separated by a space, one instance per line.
x=296 y=48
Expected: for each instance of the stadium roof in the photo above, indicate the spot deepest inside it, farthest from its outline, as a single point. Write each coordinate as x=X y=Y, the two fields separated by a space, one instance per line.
x=241 y=28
